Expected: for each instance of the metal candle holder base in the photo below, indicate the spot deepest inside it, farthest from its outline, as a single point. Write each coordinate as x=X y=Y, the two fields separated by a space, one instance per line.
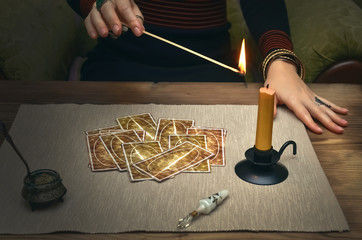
x=262 y=167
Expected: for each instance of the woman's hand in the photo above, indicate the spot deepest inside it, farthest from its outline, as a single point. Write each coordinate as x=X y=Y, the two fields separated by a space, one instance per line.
x=111 y=16
x=299 y=98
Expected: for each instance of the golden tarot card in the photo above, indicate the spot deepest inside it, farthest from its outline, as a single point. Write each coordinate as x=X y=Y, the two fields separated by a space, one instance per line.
x=141 y=134
x=143 y=122
x=113 y=142
x=170 y=126
x=173 y=161
x=137 y=152
x=215 y=140
x=99 y=158
x=104 y=130
x=199 y=140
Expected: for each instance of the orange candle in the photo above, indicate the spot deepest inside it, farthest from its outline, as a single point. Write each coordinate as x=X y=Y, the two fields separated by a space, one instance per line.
x=264 y=128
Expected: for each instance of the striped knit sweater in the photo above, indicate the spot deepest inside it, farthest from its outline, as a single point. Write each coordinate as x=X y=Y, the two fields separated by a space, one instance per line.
x=267 y=20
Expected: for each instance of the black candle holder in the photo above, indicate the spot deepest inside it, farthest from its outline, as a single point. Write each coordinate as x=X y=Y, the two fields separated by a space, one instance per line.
x=262 y=167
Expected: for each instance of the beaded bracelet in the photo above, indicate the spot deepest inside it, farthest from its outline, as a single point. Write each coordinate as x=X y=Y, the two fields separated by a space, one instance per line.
x=284 y=55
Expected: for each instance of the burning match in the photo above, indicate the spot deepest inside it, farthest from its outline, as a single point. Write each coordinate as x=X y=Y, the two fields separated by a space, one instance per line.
x=241 y=71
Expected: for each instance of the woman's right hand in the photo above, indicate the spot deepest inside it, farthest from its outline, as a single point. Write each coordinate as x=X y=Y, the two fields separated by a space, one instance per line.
x=112 y=15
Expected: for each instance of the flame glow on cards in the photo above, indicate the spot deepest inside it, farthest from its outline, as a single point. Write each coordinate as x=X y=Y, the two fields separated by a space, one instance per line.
x=100 y=160
x=150 y=151
x=199 y=140
x=113 y=142
x=139 y=122
x=137 y=152
x=173 y=161
x=215 y=143
x=168 y=126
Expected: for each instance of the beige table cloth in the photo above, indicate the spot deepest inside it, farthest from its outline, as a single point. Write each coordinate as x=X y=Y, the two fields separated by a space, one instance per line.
x=53 y=136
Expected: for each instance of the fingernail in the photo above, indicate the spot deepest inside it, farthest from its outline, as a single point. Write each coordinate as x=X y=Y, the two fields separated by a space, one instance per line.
x=137 y=31
x=103 y=31
x=93 y=35
x=319 y=130
x=340 y=128
x=115 y=29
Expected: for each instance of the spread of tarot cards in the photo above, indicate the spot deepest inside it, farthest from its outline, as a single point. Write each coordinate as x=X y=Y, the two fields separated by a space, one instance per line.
x=155 y=151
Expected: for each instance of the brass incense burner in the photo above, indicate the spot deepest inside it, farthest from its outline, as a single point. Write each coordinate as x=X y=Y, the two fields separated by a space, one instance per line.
x=42 y=187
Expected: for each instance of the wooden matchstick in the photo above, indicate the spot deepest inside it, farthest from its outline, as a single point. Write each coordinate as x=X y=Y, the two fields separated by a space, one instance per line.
x=193 y=52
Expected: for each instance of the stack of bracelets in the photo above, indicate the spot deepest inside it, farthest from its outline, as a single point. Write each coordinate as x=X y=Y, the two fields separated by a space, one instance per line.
x=284 y=55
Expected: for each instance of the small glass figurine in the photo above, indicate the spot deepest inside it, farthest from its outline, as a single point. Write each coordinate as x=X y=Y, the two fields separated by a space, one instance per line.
x=205 y=206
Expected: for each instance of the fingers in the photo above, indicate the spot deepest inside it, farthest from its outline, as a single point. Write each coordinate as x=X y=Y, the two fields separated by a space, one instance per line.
x=336 y=108
x=330 y=109
x=112 y=15
x=303 y=114
x=128 y=11
x=299 y=98
x=91 y=30
x=308 y=111
x=95 y=24
x=337 y=119
x=327 y=118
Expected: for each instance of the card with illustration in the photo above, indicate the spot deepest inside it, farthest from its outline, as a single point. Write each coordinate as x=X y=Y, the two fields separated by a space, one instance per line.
x=143 y=122
x=137 y=152
x=104 y=130
x=113 y=142
x=141 y=134
x=199 y=140
x=215 y=140
x=99 y=158
x=170 y=126
x=173 y=161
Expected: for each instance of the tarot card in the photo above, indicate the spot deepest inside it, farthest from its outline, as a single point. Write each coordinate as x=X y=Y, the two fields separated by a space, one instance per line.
x=141 y=134
x=113 y=142
x=215 y=139
x=136 y=152
x=170 y=126
x=173 y=161
x=99 y=158
x=104 y=130
x=199 y=140
x=139 y=122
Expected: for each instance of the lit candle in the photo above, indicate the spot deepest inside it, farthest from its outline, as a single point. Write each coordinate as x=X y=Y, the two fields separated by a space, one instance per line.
x=264 y=128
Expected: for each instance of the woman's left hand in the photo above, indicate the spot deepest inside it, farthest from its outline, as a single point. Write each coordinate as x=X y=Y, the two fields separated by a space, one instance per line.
x=298 y=97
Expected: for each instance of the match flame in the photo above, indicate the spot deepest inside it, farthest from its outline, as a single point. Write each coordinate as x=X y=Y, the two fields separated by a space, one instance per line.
x=242 y=61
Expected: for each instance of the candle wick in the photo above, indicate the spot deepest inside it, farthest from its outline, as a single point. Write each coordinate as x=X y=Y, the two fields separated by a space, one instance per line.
x=267 y=86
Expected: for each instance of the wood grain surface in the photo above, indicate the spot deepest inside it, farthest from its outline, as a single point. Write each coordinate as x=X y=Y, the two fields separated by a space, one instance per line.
x=340 y=155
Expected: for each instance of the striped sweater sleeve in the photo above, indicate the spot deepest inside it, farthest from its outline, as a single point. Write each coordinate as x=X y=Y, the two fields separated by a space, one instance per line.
x=268 y=23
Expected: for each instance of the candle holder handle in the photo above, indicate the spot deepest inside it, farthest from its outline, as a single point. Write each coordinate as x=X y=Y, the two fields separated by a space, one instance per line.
x=262 y=167
x=285 y=145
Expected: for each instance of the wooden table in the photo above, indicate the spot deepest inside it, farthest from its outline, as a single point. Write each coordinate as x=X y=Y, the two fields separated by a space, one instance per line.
x=340 y=155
